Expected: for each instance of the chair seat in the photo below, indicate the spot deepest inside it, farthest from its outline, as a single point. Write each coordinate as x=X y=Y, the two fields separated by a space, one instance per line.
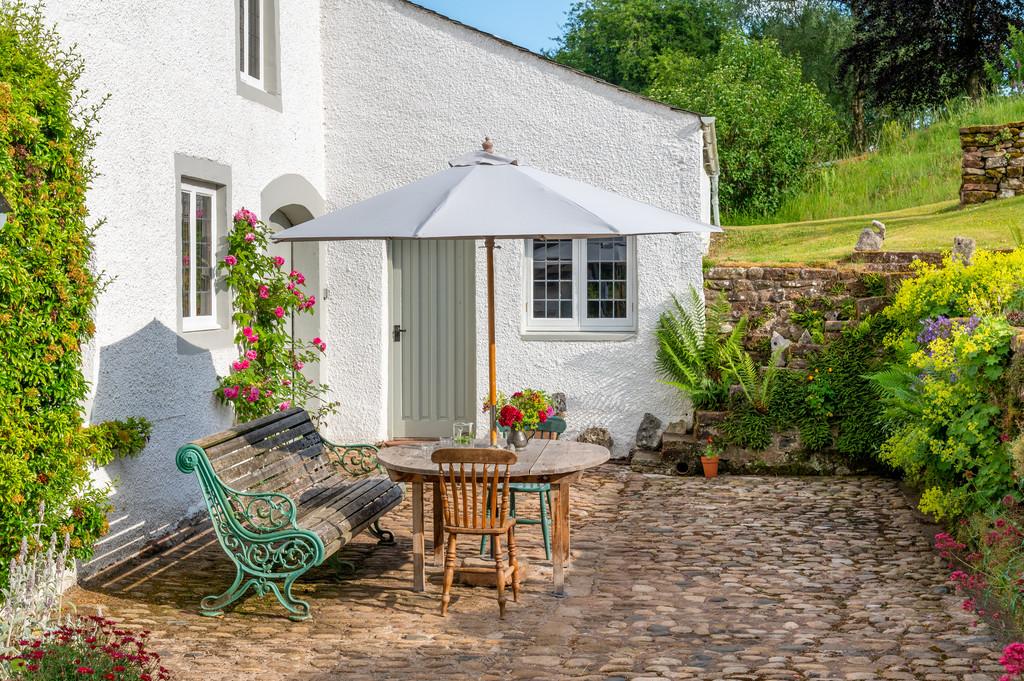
x=501 y=529
x=530 y=486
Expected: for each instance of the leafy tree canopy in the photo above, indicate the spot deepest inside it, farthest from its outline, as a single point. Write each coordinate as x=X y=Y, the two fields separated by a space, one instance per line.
x=772 y=126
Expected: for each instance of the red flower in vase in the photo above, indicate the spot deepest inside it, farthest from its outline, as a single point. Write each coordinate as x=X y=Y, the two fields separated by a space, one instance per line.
x=509 y=416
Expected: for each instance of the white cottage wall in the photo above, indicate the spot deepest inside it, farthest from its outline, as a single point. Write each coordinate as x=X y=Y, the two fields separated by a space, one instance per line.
x=170 y=71
x=404 y=91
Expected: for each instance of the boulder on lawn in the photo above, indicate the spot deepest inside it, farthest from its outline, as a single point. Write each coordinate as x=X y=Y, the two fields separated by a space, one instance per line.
x=648 y=435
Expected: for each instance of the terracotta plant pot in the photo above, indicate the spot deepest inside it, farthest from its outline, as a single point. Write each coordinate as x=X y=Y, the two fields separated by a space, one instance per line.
x=710 y=465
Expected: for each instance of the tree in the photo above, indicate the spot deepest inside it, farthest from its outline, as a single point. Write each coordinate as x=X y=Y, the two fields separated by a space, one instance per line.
x=916 y=55
x=619 y=40
x=1007 y=73
x=772 y=126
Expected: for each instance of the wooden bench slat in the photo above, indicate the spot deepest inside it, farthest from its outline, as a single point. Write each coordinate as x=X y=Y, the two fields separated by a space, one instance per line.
x=256 y=437
x=233 y=456
x=273 y=474
x=291 y=416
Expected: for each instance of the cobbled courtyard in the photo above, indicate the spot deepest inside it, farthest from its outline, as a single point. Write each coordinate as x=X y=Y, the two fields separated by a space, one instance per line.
x=679 y=578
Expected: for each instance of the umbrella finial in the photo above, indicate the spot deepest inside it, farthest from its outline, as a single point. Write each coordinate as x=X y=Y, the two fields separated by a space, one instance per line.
x=488 y=145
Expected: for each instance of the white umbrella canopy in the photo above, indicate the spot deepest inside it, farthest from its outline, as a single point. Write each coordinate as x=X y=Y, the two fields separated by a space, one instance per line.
x=487 y=196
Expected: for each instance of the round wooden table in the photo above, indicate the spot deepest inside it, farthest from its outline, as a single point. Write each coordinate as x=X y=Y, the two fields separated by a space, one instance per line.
x=558 y=462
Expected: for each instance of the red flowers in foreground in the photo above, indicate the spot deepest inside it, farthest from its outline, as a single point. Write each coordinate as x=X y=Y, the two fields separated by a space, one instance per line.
x=510 y=416
x=87 y=648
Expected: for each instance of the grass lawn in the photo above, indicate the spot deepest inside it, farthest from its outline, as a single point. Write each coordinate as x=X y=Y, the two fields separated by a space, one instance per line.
x=929 y=227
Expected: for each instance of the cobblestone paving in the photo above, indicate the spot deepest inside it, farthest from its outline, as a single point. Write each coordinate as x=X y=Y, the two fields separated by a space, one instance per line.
x=679 y=578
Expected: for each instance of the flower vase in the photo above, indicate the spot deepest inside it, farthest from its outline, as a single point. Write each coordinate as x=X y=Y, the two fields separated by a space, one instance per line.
x=517 y=439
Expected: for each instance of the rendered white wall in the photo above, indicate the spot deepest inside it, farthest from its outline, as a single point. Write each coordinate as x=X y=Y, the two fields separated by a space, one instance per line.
x=404 y=92
x=169 y=69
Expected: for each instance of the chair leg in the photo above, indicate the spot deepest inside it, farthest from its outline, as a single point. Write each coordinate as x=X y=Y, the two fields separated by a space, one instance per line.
x=499 y=569
x=513 y=558
x=449 y=573
x=545 y=526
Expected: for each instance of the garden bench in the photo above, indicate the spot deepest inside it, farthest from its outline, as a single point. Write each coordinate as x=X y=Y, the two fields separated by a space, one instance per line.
x=282 y=500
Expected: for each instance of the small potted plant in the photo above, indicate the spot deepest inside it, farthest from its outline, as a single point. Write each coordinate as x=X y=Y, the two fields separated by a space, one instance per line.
x=709 y=459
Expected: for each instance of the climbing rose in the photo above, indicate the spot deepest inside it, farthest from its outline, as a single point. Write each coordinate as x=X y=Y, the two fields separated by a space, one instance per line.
x=240 y=366
x=310 y=302
x=298 y=366
x=245 y=215
x=279 y=312
x=278 y=260
x=264 y=292
x=230 y=260
x=319 y=344
x=251 y=354
x=232 y=392
x=285 y=406
x=297 y=276
x=253 y=395
x=250 y=237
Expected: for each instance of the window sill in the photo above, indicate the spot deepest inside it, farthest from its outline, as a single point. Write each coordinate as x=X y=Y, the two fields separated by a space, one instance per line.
x=586 y=336
x=200 y=328
x=259 y=95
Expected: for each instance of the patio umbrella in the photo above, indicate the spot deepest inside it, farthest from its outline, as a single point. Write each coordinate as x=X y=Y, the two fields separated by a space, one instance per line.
x=484 y=195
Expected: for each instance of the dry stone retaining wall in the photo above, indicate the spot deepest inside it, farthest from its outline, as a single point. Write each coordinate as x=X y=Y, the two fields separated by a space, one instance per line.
x=993 y=162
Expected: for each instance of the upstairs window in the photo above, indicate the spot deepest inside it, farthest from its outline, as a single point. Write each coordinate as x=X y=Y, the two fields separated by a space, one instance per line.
x=251 y=42
x=581 y=285
x=198 y=268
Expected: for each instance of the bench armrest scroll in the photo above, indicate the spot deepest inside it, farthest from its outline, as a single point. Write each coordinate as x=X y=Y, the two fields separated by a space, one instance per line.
x=356 y=459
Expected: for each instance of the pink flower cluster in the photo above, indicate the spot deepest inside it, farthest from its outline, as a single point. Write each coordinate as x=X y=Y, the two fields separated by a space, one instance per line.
x=250 y=237
x=278 y=261
x=297 y=277
x=947 y=545
x=251 y=335
x=285 y=406
x=240 y=365
x=232 y=392
x=319 y=344
x=230 y=260
x=264 y=292
x=252 y=394
x=1012 y=661
x=246 y=215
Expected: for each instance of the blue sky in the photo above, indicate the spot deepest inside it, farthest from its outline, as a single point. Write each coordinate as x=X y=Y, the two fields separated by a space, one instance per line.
x=530 y=23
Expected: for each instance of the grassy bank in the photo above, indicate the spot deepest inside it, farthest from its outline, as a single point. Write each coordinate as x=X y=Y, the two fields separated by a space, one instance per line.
x=910 y=168
x=927 y=227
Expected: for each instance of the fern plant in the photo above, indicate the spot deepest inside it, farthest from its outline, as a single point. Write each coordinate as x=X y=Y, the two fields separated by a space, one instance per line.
x=692 y=348
x=756 y=385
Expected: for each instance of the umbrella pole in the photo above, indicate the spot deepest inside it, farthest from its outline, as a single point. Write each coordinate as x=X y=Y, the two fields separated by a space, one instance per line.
x=491 y=349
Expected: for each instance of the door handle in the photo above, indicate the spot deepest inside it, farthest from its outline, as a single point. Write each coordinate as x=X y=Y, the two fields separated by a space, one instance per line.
x=396 y=333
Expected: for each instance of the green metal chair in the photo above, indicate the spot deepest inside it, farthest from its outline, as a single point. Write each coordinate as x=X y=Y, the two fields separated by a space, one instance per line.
x=549 y=430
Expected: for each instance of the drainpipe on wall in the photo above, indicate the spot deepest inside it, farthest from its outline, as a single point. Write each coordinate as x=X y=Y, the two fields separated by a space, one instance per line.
x=707 y=126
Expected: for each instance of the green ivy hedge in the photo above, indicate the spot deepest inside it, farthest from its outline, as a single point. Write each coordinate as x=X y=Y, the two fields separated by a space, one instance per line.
x=47 y=294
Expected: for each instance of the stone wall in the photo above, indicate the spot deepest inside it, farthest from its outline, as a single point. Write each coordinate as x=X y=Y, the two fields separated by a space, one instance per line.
x=993 y=162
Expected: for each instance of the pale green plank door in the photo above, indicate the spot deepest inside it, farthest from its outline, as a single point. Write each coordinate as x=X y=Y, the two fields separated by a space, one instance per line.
x=432 y=335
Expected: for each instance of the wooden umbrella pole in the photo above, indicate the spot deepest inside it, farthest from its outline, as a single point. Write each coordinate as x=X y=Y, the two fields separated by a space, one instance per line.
x=491 y=350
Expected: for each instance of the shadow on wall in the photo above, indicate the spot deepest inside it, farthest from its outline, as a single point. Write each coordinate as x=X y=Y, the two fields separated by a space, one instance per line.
x=156 y=374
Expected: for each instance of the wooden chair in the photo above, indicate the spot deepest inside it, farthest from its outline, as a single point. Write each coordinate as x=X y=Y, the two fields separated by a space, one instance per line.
x=472 y=481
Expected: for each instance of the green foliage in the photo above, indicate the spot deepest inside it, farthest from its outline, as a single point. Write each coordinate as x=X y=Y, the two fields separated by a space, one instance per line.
x=772 y=126
x=618 y=40
x=832 y=405
x=943 y=395
x=47 y=293
x=912 y=55
x=873 y=283
x=1006 y=72
x=755 y=384
x=986 y=287
x=913 y=164
x=692 y=348
x=267 y=376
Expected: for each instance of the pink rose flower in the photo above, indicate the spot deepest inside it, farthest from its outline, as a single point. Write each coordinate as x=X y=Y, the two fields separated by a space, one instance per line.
x=286 y=383
x=241 y=365
x=230 y=260
x=298 y=366
x=285 y=406
x=253 y=394
x=279 y=312
x=297 y=276
x=264 y=292
x=245 y=215
x=310 y=302
x=278 y=260
x=250 y=237
x=251 y=354
x=232 y=392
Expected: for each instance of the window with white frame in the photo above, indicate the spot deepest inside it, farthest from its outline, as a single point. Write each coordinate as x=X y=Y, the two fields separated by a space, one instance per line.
x=581 y=284
x=198 y=247
x=251 y=42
